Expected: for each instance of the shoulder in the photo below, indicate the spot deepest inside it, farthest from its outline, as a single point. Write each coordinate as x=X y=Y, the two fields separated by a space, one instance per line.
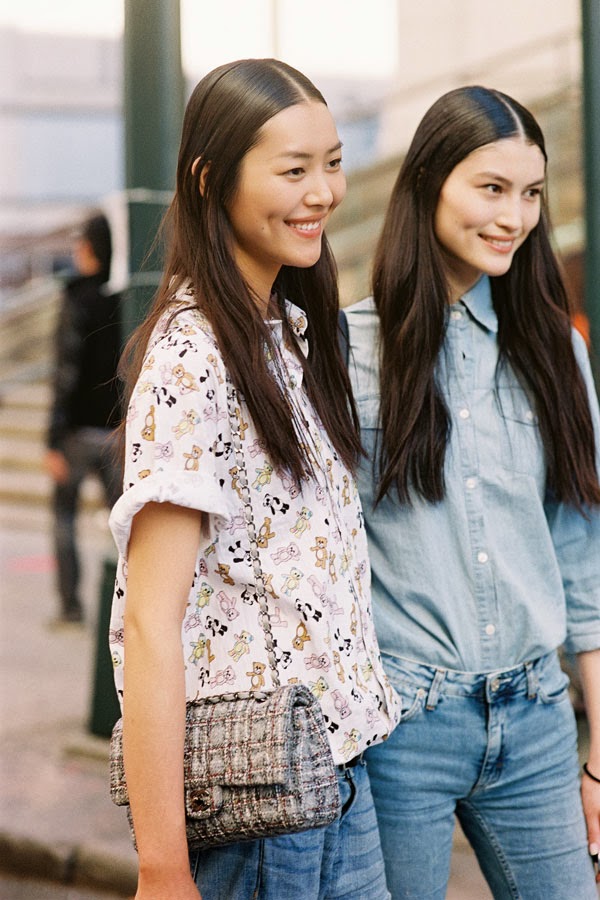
x=183 y=331
x=362 y=312
x=363 y=326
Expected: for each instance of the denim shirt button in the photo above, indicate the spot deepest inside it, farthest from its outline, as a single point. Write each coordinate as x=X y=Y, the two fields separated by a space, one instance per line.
x=490 y=629
x=464 y=413
x=482 y=557
x=456 y=315
x=471 y=483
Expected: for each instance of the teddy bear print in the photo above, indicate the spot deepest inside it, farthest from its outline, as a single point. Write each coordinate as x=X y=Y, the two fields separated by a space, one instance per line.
x=192 y=460
x=223 y=570
x=301 y=637
x=302 y=523
x=320 y=551
x=185 y=381
x=149 y=428
x=204 y=594
x=263 y=476
x=241 y=646
x=187 y=424
x=291 y=581
x=257 y=679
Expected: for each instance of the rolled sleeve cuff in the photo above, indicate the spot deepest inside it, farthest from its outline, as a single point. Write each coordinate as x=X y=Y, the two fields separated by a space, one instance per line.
x=583 y=640
x=187 y=489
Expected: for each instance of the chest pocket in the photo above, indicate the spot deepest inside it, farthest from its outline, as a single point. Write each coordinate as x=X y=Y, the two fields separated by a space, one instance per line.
x=520 y=442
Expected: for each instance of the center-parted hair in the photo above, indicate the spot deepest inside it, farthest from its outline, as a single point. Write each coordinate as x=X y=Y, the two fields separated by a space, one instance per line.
x=411 y=292
x=223 y=121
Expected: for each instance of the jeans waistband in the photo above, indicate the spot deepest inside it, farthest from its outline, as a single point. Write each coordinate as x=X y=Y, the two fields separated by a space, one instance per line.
x=355 y=761
x=435 y=680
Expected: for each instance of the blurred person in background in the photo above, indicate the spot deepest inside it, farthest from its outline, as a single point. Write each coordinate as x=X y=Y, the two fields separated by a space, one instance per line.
x=85 y=405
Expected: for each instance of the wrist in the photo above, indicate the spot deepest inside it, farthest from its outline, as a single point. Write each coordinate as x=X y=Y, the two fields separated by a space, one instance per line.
x=161 y=868
x=590 y=773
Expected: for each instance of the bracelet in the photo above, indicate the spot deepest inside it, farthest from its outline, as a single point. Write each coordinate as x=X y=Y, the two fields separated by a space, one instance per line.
x=589 y=774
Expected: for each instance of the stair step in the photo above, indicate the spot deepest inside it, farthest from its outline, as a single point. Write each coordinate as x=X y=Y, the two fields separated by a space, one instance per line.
x=20 y=453
x=32 y=395
x=28 y=422
x=35 y=488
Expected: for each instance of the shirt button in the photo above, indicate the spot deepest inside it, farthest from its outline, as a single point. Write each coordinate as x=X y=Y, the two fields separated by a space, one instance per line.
x=456 y=315
x=471 y=483
x=464 y=413
x=529 y=415
x=482 y=557
x=490 y=629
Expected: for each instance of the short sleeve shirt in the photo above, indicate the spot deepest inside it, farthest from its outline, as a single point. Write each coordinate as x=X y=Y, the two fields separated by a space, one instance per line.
x=311 y=538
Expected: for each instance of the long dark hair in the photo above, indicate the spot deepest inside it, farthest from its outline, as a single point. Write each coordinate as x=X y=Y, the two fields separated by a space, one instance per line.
x=222 y=122
x=410 y=289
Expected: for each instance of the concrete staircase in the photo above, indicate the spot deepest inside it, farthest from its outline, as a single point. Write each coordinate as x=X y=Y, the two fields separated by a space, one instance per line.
x=27 y=325
x=26 y=353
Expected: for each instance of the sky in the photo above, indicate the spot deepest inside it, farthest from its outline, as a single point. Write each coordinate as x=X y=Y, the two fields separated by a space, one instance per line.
x=328 y=37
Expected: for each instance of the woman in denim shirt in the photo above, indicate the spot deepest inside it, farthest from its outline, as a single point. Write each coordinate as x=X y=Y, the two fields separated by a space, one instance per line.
x=482 y=505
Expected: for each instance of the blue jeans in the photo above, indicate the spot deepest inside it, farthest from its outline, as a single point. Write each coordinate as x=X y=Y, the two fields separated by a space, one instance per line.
x=499 y=751
x=341 y=860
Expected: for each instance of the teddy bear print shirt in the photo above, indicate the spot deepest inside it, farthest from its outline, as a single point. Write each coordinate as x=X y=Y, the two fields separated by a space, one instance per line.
x=311 y=538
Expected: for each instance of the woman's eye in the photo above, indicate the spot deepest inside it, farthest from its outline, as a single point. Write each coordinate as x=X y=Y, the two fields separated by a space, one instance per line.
x=335 y=163
x=295 y=172
x=493 y=188
x=533 y=193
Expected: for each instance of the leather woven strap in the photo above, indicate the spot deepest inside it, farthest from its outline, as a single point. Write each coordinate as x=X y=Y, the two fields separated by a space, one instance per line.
x=235 y=417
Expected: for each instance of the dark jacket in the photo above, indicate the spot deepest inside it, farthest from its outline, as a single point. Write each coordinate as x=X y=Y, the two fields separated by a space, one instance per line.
x=88 y=346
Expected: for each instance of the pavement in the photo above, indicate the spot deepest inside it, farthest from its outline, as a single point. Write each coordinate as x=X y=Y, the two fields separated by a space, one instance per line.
x=57 y=821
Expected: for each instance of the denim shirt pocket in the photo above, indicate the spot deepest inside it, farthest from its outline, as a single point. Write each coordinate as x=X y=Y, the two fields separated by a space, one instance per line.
x=520 y=441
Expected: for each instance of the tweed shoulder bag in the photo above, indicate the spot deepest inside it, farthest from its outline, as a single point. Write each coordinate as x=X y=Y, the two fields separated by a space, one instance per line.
x=256 y=764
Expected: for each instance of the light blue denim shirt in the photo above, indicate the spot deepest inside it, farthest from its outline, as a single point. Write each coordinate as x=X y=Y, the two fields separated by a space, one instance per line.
x=495 y=574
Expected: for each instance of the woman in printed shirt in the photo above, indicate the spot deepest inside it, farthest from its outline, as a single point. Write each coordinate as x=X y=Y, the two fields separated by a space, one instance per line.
x=482 y=513
x=249 y=294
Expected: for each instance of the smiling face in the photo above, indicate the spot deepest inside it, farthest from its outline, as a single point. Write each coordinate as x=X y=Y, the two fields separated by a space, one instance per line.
x=289 y=184
x=487 y=207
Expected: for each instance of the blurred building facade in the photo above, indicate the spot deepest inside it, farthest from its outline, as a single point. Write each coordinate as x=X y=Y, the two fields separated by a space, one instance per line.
x=61 y=108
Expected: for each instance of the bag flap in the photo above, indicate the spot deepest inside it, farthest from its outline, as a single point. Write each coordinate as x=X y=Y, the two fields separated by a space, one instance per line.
x=251 y=741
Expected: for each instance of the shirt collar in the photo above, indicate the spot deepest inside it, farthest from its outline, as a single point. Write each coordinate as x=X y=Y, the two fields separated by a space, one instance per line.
x=478 y=302
x=298 y=322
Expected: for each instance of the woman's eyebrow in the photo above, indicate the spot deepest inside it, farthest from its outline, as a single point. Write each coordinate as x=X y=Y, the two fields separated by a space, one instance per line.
x=494 y=176
x=301 y=154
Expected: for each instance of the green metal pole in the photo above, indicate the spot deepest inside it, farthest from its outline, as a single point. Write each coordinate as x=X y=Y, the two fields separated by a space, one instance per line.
x=590 y=26
x=154 y=94
x=154 y=100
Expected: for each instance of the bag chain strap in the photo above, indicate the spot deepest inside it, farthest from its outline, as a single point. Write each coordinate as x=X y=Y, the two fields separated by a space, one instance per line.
x=263 y=616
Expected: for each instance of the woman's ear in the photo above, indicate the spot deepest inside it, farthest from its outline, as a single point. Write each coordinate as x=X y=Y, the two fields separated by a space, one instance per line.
x=203 y=173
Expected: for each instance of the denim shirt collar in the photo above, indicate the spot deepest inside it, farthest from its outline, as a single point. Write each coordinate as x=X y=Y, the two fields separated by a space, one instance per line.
x=478 y=302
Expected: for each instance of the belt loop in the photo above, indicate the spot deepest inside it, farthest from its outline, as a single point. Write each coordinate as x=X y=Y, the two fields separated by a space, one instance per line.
x=434 y=690
x=531 y=681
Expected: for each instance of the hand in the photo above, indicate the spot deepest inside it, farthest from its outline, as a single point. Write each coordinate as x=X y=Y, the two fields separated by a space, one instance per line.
x=57 y=466
x=590 y=795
